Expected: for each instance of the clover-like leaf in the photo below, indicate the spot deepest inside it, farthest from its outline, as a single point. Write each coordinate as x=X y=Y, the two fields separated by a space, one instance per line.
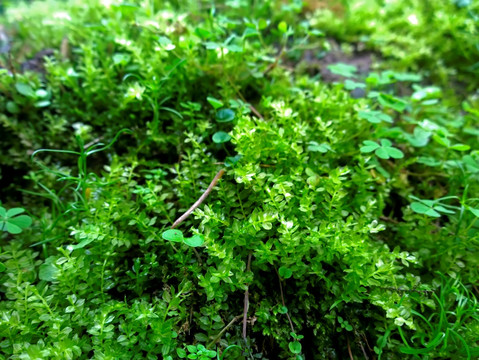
x=422 y=208
x=12 y=222
x=419 y=138
x=369 y=146
x=383 y=151
x=342 y=69
x=375 y=117
x=225 y=115
x=315 y=147
x=221 y=137
x=173 y=235
x=284 y=272
x=429 y=207
x=392 y=102
x=351 y=85
x=194 y=241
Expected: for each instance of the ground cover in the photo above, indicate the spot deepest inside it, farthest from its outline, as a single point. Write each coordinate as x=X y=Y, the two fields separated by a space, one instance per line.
x=325 y=153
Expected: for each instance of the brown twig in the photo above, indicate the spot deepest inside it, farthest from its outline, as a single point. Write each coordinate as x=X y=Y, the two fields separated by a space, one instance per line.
x=282 y=298
x=276 y=61
x=256 y=112
x=246 y=301
x=252 y=108
x=261 y=165
x=349 y=350
x=200 y=200
x=217 y=337
x=388 y=219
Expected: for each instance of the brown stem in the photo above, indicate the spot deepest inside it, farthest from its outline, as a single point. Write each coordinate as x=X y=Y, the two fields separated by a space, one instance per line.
x=349 y=350
x=252 y=108
x=246 y=301
x=388 y=219
x=282 y=298
x=276 y=61
x=200 y=200
x=261 y=165
x=217 y=337
x=256 y=112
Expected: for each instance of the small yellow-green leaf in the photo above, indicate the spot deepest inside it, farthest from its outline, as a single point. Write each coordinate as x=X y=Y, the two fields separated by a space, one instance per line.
x=194 y=241
x=172 y=235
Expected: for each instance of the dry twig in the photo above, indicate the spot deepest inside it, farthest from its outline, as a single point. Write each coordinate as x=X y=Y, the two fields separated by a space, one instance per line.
x=246 y=301
x=200 y=200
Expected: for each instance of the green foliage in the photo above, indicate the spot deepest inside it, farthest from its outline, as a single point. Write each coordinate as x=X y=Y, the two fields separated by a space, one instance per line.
x=348 y=220
x=11 y=221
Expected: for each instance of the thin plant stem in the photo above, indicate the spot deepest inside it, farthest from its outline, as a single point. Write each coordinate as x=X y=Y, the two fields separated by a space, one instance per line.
x=200 y=200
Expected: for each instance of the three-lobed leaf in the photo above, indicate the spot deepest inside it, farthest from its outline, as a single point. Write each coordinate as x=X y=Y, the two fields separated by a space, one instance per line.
x=383 y=151
x=12 y=222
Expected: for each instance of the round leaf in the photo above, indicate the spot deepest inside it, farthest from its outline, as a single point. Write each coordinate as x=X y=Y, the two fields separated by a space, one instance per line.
x=12 y=107
x=221 y=137
x=283 y=27
x=48 y=272
x=2 y=267
x=173 y=235
x=284 y=272
x=295 y=347
x=194 y=241
x=225 y=115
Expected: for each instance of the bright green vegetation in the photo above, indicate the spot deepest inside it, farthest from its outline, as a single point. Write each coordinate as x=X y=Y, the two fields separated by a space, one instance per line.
x=347 y=216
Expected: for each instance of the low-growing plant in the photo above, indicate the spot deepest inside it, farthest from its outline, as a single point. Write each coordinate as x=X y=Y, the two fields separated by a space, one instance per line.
x=299 y=181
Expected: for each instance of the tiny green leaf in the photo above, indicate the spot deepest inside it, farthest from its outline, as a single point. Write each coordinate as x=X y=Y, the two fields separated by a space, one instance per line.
x=172 y=235
x=194 y=241
x=12 y=107
x=181 y=353
x=214 y=102
x=295 y=347
x=369 y=146
x=283 y=27
x=342 y=69
x=392 y=102
x=284 y=272
x=375 y=117
x=315 y=147
x=48 y=271
x=221 y=137
x=460 y=147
